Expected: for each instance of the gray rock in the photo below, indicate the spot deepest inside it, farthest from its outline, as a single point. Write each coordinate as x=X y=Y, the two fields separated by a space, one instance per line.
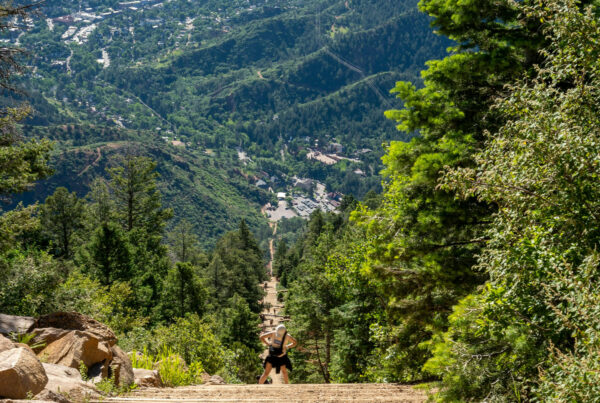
x=14 y=324
x=67 y=381
x=147 y=377
x=49 y=396
x=216 y=380
x=121 y=366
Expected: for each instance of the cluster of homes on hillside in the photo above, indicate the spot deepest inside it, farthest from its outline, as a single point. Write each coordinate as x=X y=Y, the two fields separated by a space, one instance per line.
x=305 y=196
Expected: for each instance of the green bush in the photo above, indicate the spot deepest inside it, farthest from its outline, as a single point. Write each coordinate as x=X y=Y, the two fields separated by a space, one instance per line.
x=193 y=339
x=172 y=368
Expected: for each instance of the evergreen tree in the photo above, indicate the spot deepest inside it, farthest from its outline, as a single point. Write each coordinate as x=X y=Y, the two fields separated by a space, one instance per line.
x=240 y=324
x=108 y=254
x=139 y=211
x=240 y=254
x=218 y=277
x=102 y=207
x=133 y=184
x=280 y=263
x=185 y=244
x=61 y=216
x=184 y=292
x=422 y=240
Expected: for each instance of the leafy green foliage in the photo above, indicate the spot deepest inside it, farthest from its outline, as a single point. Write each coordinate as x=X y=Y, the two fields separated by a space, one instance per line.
x=191 y=338
x=27 y=338
x=528 y=333
x=172 y=368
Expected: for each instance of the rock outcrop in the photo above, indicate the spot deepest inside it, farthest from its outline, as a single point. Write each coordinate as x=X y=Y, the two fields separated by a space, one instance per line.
x=215 y=380
x=5 y=344
x=121 y=367
x=147 y=377
x=75 y=321
x=75 y=347
x=14 y=324
x=64 y=341
x=71 y=338
x=67 y=381
x=21 y=374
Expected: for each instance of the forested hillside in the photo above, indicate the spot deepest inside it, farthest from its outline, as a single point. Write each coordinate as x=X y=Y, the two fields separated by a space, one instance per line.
x=476 y=270
x=198 y=84
x=472 y=267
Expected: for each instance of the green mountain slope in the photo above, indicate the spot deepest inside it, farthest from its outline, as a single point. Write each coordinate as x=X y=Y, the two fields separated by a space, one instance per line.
x=269 y=78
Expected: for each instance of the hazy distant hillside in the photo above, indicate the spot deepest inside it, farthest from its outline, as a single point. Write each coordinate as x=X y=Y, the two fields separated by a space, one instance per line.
x=271 y=79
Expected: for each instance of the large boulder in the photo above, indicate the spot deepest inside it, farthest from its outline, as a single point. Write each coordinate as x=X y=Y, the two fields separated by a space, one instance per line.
x=147 y=377
x=49 y=396
x=45 y=336
x=14 y=324
x=5 y=344
x=74 y=347
x=21 y=374
x=121 y=367
x=75 y=321
x=67 y=381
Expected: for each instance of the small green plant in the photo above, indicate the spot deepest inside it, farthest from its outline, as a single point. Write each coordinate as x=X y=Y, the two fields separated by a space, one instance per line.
x=83 y=370
x=171 y=367
x=143 y=360
x=27 y=338
x=107 y=387
x=173 y=370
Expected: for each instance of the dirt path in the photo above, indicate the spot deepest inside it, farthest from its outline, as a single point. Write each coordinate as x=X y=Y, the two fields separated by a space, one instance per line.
x=271 y=315
x=98 y=157
x=358 y=392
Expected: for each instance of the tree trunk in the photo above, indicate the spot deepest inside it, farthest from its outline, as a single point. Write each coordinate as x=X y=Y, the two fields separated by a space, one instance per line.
x=181 y=292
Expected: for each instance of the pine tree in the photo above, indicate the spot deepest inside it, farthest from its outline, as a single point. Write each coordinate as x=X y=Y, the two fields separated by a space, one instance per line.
x=422 y=240
x=185 y=244
x=218 y=276
x=102 y=206
x=133 y=184
x=240 y=324
x=183 y=292
x=61 y=216
x=108 y=255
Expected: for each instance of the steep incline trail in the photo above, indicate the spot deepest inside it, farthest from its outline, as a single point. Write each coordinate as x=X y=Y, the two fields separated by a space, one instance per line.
x=278 y=391
x=271 y=314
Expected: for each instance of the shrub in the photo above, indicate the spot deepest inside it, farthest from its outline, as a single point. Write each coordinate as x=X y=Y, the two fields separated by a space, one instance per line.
x=194 y=340
x=172 y=368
